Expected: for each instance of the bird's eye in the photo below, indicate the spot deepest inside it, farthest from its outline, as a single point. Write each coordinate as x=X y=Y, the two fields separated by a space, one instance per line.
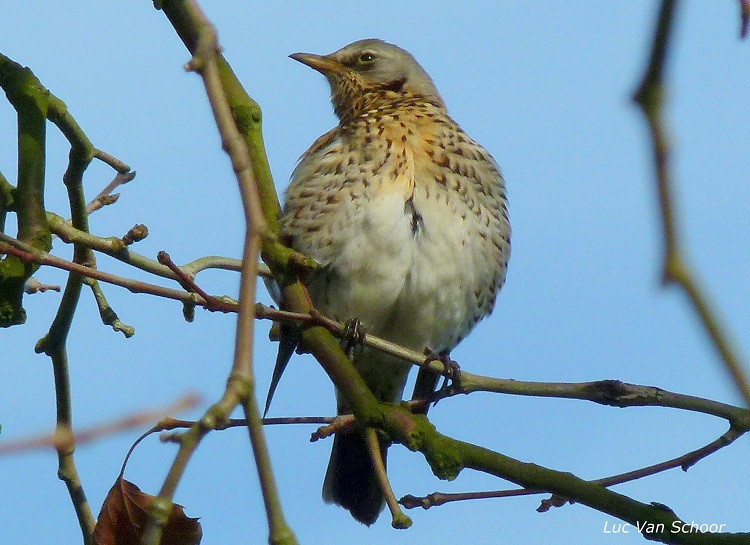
x=366 y=57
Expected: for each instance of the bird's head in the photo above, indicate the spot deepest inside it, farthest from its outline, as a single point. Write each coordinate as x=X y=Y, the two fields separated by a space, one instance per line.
x=366 y=72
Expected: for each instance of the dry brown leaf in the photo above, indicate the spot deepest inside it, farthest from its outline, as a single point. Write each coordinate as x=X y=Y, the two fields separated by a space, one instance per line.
x=122 y=519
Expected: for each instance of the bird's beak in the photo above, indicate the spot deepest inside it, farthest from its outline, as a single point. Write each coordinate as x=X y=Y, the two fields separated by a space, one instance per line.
x=323 y=64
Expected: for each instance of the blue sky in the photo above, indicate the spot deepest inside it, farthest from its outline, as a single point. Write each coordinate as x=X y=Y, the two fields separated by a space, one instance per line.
x=545 y=86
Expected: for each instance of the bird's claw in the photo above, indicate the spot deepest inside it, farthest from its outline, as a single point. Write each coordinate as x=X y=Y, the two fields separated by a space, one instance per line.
x=451 y=373
x=353 y=335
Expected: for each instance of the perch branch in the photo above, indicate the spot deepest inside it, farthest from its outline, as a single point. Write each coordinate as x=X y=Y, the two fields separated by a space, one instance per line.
x=605 y=392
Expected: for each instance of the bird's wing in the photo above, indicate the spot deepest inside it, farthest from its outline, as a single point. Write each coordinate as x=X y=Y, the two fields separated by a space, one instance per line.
x=289 y=334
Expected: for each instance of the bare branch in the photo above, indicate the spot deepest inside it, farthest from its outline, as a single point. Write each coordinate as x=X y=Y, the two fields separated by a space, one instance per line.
x=115 y=163
x=200 y=37
x=650 y=98
x=106 y=312
x=398 y=519
x=105 y=196
x=685 y=461
x=33 y=285
x=27 y=253
x=64 y=438
x=212 y=303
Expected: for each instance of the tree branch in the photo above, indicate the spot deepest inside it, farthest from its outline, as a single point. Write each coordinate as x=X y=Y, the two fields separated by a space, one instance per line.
x=200 y=38
x=650 y=98
x=31 y=102
x=605 y=392
x=685 y=462
x=35 y=105
x=27 y=253
x=62 y=438
x=448 y=457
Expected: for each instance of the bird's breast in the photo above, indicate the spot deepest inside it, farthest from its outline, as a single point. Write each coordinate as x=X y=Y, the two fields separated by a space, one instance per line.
x=406 y=217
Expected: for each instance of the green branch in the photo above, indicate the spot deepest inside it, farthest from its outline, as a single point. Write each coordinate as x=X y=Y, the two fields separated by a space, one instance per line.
x=34 y=105
x=7 y=196
x=31 y=102
x=54 y=343
x=448 y=457
x=246 y=151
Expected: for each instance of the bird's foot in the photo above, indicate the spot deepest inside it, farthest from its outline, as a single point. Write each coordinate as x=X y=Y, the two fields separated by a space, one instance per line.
x=451 y=375
x=353 y=336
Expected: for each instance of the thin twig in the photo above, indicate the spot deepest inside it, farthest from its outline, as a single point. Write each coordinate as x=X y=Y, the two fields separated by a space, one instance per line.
x=62 y=438
x=609 y=392
x=168 y=424
x=212 y=303
x=54 y=342
x=684 y=462
x=27 y=253
x=114 y=247
x=105 y=195
x=650 y=98
x=399 y=520
x=107 y=314
x=605 y=392
x=33 y=285
x=113 y=162
x=343 y=423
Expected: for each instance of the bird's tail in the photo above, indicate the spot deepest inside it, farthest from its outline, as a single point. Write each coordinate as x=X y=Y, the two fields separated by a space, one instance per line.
x=350 y=478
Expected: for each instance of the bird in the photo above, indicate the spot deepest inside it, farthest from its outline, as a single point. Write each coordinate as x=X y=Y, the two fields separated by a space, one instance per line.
x=407 y=219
